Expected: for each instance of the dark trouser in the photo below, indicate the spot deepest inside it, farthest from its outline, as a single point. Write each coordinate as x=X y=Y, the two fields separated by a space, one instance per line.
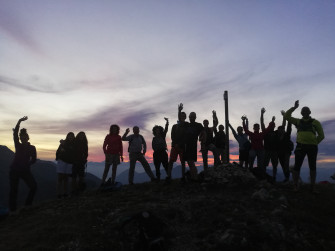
x=14 y=178
x=244 y=157
x=204 y=152
x=133 y=157
x=301 y=151
x=160 y=157
x=260 y=158
x=284 y=160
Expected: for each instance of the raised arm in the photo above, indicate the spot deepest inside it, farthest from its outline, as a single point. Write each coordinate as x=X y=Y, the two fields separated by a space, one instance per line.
x=262 y=118
x=166 y=129
x=284 y=120
x=16 y=129
x=215 y=119
x=246 y=129
x=233 y=130
x=180 y=108
x=288 y=114
x=124 y=137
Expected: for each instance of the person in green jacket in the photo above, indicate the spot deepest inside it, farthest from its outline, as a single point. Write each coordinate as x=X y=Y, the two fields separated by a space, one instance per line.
x=309 y=135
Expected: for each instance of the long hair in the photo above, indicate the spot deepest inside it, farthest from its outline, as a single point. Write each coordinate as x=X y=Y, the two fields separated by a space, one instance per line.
x=81 y=138
x=67 y=139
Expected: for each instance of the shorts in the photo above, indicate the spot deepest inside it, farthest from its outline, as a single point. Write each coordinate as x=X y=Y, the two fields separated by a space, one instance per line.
x=175 y=151
x=112 y=159
x=63 y=167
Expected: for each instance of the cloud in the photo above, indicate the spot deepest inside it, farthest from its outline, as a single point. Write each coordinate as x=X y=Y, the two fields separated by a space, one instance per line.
x=16 y=29
x=33 y=84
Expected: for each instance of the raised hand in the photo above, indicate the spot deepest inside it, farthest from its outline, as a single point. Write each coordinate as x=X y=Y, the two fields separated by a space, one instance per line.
x=23 y=118
x=127 y=130
x=296 y=104
x=282 y=112
x=180 y=107
x=273 y=119
x=263 y=110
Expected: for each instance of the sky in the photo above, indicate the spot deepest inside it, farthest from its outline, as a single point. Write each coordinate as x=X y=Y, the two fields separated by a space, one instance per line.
x=82 y=65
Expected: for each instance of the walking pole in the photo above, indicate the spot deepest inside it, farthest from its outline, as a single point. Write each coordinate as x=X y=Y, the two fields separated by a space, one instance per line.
x=225 y=98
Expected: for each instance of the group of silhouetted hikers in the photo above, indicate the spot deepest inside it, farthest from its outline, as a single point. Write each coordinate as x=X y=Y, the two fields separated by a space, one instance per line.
x=267 y=145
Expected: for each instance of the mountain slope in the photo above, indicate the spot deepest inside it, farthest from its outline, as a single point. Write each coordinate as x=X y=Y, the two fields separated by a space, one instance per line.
x=228 y=210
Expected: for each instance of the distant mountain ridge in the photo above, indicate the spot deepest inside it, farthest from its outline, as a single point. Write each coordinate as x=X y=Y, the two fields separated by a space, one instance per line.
x=44 y=173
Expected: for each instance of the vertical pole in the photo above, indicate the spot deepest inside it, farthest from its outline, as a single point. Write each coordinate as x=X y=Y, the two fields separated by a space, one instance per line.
x=225 y=97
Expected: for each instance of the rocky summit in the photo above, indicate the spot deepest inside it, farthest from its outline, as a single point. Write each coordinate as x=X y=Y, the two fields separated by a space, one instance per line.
x=227 y=209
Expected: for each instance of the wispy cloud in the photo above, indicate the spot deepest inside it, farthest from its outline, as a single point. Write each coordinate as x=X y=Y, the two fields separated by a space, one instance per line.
x=17 y=30
x=33 y=84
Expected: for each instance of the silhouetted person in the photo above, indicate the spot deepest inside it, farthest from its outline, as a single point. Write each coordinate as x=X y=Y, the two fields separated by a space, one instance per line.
x=256 y=138
x=178 y=142
x=192 y=133
x=270 y=147
x=79 y=162
x=220 y=144
x=209 y=142
x=285 y=147
x=159 y=147
x=309 y=135
x=113 y=150
x=25 y=156
x=65 y=158
x=243 y=143
x=136 y=145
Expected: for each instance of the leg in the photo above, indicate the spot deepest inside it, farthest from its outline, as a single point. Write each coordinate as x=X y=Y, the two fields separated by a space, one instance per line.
x=59 y=184
x=205 y=157
x=29 y=179
x=260 y=159
x=312 y=153
x=193 y=169
x=165 y=162
x=14 y=185
x=274 y=161
x=146 y=166
x=132 y=161
x=157 y=163
x=66 y=182
x=252 y=157
x=114 y=167
x=106 y=170
x=300 y=154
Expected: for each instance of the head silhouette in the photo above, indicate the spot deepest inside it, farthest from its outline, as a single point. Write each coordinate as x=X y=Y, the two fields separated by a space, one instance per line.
x=114 y=129
x=221 y=128
x=192 y=117
x=136 y=130
x=182 y=117
x=81 y=137
x=70 y=137
x=240 y=130
x=157 y=130
x=256 y=127
x=24 y=137
x=205 y=123
x=305 y=112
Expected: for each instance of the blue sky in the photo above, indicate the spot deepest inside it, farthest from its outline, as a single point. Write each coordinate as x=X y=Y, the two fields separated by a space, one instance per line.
x=84 y=65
